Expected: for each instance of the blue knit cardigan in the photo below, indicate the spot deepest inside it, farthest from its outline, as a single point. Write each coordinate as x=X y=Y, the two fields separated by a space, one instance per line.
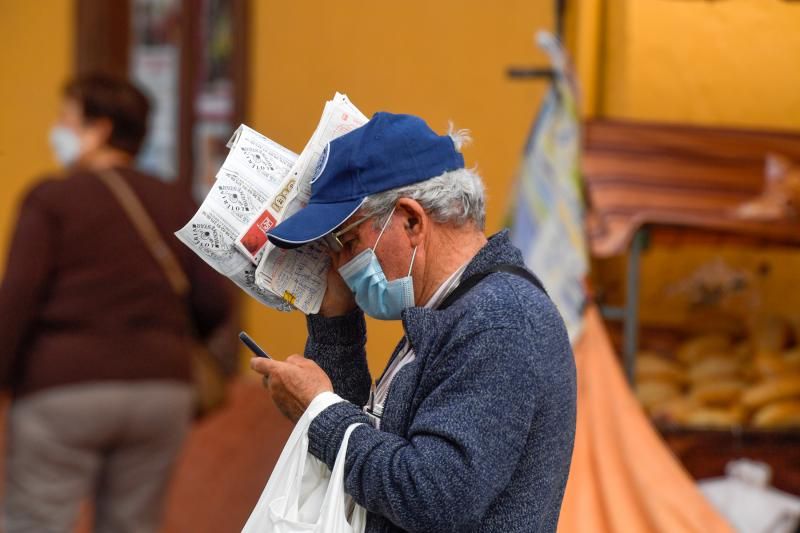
x=477 y=431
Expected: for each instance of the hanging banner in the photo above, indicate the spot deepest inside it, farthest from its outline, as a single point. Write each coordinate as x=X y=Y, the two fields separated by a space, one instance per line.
x=548 y=218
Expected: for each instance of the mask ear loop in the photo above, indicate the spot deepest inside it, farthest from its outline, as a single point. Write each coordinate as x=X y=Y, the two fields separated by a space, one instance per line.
x=413 y=255
x=385 y=225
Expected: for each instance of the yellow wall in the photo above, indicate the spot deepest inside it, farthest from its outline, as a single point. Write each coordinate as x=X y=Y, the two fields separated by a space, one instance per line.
x=583 y=37
x=441 y=60
x=730 y=63
x=35 y=60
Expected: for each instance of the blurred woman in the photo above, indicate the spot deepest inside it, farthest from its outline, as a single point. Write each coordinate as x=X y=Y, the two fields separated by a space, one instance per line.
x=93 y=339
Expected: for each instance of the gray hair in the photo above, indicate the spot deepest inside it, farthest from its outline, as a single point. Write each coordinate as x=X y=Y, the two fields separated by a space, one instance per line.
x=455 y=197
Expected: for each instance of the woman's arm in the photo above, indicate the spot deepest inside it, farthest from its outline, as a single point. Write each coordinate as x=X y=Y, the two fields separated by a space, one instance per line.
x=28 y=269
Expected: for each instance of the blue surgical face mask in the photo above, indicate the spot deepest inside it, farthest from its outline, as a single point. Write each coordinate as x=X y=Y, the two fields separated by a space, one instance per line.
x=375 y=295
x=65 y=144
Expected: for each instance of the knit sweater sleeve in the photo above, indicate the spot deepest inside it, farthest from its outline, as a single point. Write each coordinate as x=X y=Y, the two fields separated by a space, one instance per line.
x=464 y=442
x=337 y=345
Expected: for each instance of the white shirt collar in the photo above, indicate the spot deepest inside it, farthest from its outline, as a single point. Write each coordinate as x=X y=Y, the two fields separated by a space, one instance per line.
x=444 y=289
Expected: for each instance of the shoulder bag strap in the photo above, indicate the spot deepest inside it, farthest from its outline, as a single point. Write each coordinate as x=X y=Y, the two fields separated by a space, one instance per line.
x=147 y=230
x=473 y=280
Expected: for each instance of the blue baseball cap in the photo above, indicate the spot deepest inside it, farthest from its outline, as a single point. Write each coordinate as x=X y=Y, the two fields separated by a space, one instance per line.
x=387 y=152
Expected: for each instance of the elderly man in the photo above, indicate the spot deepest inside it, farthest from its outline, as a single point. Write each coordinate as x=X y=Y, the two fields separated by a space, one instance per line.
x=471 y=425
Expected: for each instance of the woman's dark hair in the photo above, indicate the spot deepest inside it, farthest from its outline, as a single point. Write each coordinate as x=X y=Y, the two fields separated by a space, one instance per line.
x=115 y=99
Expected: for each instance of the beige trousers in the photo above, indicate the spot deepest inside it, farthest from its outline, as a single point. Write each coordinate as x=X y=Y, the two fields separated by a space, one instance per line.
x=115 y=442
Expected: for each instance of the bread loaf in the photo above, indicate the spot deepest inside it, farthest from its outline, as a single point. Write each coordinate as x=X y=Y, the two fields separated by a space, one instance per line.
x=675 y=410
x=772 y=390
x=768 y=365
x=711 y=417
x=724 y=392
x=698 y=347
x=652 y=367
x=778 y=414
x=714 y=368
x=651 y=393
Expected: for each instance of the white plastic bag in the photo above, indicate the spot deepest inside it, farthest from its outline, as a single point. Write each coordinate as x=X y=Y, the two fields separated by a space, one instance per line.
x=303 y=495
x=744 y=496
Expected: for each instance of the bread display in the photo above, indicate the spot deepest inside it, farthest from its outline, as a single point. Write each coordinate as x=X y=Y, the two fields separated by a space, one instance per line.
x=716 y=381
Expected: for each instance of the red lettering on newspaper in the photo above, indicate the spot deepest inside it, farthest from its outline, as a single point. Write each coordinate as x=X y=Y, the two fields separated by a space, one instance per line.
x=256 y=236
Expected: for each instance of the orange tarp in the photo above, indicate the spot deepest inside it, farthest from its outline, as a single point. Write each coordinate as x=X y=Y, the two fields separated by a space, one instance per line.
x=624 y=479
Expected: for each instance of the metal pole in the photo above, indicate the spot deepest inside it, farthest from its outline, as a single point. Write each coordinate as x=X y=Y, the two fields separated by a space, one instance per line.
x=631 y=321
x=560 y=10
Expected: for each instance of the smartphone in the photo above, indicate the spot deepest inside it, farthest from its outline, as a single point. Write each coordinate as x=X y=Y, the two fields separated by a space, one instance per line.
x=250 y=343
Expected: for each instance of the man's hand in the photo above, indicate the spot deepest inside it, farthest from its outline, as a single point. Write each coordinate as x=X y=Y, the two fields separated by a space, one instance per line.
x=338 y=299
x=293 y=383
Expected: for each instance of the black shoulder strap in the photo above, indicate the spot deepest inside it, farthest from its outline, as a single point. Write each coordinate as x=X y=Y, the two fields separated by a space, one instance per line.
x=473 y=280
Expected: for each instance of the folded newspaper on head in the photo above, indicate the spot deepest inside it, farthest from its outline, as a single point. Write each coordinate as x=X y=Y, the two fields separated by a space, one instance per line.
x=260 y=184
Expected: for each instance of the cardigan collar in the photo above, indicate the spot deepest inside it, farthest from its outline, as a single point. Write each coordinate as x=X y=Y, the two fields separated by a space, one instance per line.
x=419 y=322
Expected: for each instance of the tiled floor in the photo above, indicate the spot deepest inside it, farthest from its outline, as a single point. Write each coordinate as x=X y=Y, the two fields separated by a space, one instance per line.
x=225 y=464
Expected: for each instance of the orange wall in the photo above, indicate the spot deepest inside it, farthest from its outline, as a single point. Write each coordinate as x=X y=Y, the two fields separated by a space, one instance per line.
x=441 y=60
x=35 y=59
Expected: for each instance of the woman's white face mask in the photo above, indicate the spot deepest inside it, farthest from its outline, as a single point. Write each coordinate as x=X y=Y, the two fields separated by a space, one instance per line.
x=375 y=295
x=72 y=136
x=65 y=143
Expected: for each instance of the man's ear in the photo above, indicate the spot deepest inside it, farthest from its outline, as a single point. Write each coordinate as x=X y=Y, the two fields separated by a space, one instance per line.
x=415 y=221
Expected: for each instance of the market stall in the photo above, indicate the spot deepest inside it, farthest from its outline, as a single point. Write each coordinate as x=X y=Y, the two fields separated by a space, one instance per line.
x=696 y=245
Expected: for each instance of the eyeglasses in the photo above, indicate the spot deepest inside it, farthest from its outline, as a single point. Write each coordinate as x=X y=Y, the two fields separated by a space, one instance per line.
x=332 y=239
